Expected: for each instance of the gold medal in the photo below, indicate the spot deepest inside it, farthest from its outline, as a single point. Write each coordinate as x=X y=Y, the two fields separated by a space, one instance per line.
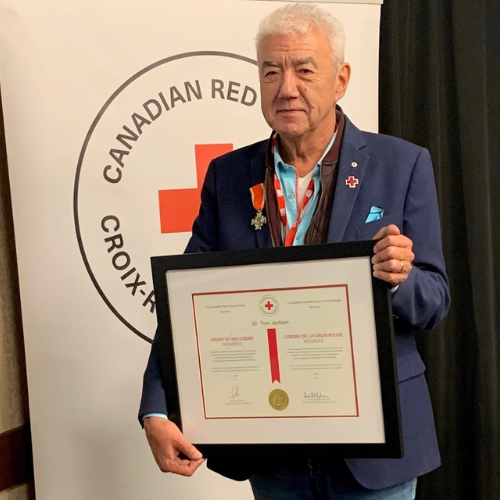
x=278 y=399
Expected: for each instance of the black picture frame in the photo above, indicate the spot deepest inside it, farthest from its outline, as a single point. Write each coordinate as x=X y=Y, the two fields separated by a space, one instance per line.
x=393 y=445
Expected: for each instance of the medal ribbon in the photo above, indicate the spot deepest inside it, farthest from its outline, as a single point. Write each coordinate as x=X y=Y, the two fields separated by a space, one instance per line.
x=290 y=235
x=258 y=197
x=273 y=355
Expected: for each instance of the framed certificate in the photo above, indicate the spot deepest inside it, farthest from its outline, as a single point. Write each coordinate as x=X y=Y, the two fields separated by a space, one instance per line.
x=279 y=351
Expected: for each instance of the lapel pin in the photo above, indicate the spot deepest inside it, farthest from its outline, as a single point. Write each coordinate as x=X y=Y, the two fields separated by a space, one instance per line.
x=354 y=164
x=352 y=182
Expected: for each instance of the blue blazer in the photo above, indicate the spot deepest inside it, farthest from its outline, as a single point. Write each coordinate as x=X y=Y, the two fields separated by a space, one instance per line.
x=394 y=175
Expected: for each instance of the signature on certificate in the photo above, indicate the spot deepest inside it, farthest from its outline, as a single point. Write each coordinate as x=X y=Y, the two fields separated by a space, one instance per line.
x=235 y=392
x=315 y=395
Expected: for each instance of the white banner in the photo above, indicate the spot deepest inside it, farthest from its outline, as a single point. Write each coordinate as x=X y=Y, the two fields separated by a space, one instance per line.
x=112 y=112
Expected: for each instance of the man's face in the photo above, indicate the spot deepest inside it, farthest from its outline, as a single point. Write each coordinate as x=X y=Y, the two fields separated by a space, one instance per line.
x=298 y=83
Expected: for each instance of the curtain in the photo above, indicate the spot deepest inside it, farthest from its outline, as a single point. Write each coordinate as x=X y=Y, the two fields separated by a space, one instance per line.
x=13 y=391
x=440 y=88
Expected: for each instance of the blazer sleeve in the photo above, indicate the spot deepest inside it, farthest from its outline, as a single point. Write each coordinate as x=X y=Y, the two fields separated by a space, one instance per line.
x=204 y=238
x=423 y=299
x=153 y=394
x=205 y=234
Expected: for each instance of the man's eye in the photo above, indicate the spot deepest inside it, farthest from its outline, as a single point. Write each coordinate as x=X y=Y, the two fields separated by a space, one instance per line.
x=305 y=71
x=270 y=73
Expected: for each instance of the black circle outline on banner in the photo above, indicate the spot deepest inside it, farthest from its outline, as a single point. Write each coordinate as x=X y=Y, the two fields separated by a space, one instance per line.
x=84 y=149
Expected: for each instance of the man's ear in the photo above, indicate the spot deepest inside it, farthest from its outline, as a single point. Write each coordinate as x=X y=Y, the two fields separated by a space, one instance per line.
x=343 y=77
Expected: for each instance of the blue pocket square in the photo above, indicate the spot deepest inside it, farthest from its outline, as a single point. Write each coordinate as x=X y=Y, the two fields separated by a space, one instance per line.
x=376 y=213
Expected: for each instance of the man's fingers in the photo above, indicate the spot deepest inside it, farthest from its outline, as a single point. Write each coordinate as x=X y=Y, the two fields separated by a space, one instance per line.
x=394 y=279
x=171 y=462
x=391 y=229
x=184 y=467
x=393 y=247
x=189 y=450
x=167 y=442
x=393 y=271
x=177 y=465
x=195 y=464
x=393 y=253
x=393 y=240
x=394 y=266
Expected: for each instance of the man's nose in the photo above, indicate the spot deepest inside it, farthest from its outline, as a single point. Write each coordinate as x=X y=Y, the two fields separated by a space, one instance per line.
x=289 y=85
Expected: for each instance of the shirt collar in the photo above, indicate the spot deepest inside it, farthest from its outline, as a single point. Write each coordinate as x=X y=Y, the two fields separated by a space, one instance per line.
x=281 y=166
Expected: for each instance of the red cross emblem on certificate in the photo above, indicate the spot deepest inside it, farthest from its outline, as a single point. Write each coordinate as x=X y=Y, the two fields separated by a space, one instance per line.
x=352 y=182
x=269 y=305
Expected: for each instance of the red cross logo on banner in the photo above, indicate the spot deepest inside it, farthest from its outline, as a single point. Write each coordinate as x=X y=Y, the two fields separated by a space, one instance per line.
x=179 y=207
x=269 y=305
x=352 y=182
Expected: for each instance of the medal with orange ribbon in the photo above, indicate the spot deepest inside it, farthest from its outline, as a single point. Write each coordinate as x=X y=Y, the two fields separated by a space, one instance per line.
x=258 y=201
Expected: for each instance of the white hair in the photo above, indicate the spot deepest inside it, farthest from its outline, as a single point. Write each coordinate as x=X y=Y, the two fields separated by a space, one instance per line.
x=299 y=18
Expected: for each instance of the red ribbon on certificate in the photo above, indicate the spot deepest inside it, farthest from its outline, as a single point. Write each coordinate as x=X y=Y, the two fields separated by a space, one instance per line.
x=273 y=355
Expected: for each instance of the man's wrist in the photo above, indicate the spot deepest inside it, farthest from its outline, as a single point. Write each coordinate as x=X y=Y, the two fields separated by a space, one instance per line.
x=159 y=415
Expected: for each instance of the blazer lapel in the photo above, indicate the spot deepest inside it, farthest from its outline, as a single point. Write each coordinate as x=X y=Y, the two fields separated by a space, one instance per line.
x=352 y=167
x=257 y=176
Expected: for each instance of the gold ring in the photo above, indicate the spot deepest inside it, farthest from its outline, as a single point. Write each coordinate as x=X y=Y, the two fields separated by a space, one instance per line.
x=402 y=266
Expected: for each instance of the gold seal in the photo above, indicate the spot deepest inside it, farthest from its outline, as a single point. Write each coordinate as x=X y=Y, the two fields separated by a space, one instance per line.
x=278 y=399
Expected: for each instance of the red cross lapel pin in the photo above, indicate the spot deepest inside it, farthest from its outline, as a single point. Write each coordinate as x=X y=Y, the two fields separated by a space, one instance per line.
x=351 y=181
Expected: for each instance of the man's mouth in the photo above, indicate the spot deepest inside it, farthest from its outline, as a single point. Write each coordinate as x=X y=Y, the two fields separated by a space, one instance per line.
x=289 y=111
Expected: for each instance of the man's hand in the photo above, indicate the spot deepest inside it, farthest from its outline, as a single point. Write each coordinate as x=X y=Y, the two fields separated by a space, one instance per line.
x=393 y=256
x=167 y=441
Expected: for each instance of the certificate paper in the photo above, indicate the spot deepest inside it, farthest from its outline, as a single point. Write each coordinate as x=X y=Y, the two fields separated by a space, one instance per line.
x=283 y=351
x=276 y=353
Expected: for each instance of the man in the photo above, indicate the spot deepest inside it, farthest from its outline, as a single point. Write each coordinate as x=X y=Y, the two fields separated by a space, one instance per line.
x=335 y=183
